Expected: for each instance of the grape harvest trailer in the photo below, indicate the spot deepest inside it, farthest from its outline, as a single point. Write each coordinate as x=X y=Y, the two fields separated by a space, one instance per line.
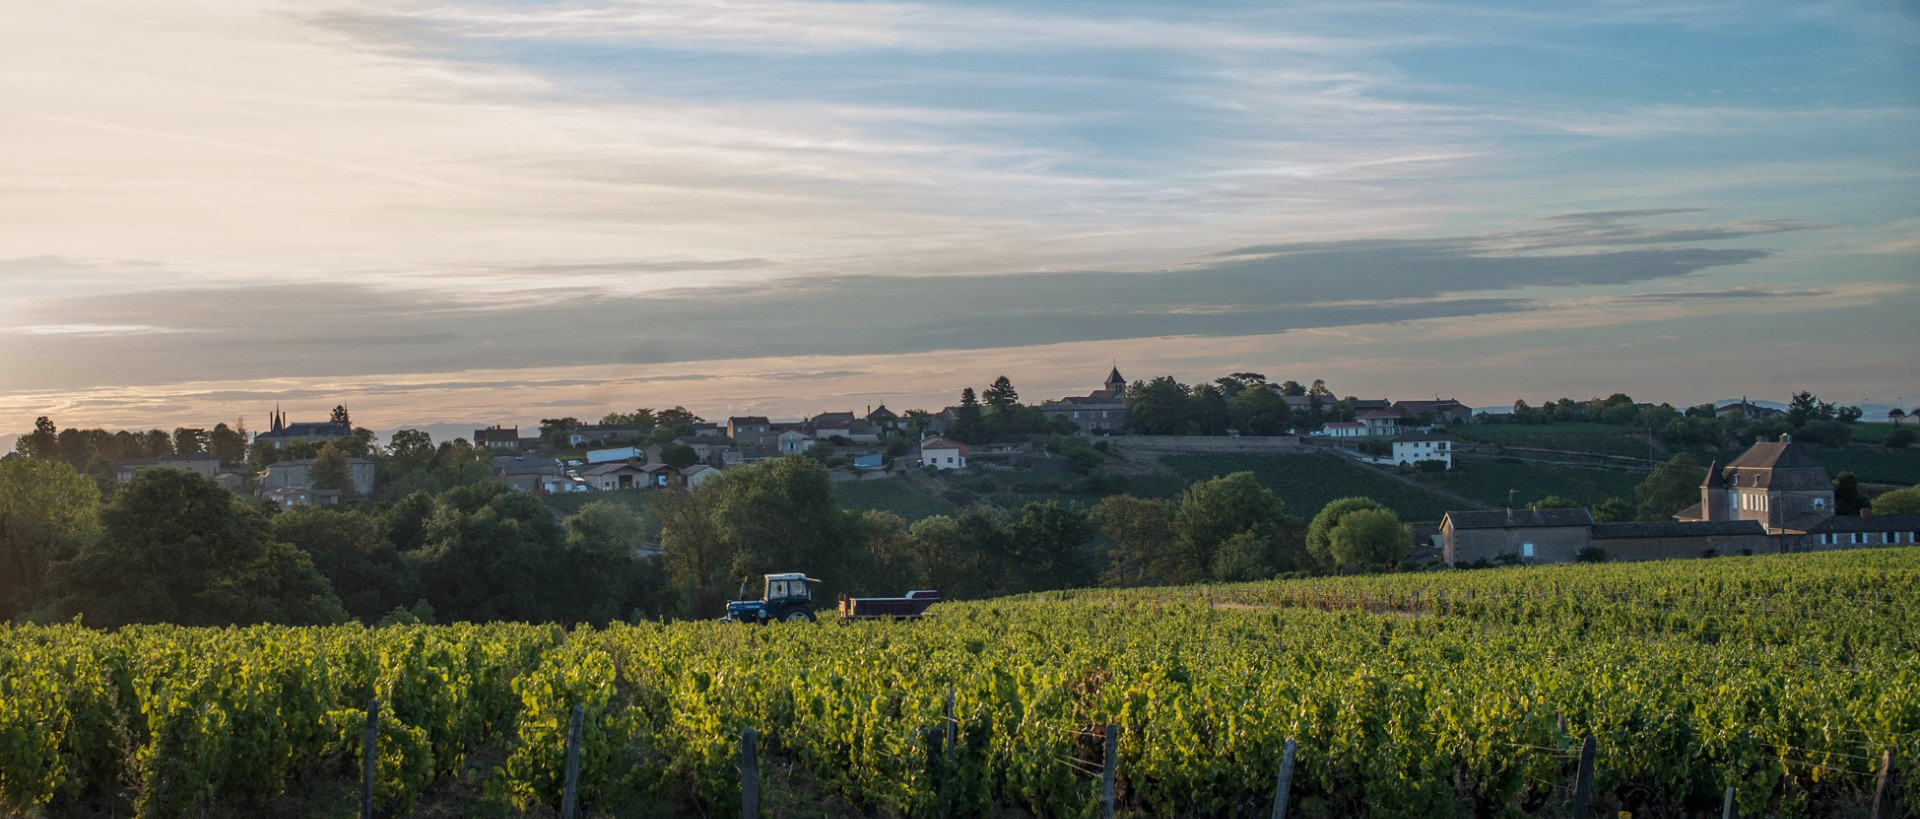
x=909 y=607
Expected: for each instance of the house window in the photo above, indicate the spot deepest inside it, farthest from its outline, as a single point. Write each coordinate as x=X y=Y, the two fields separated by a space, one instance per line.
x=1526 y=550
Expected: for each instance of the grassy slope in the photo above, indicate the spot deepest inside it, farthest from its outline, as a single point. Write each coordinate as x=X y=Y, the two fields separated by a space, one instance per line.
x=1488 y=482
x=891 y=495
x=1308 y=481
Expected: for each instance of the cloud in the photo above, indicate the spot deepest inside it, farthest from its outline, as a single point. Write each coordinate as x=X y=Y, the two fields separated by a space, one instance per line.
x=343 y=329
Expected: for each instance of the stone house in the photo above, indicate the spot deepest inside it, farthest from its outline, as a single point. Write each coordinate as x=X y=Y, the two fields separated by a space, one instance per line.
x=1528 y=535
x=1103 y=410
x=198 y=463
x=293 y=474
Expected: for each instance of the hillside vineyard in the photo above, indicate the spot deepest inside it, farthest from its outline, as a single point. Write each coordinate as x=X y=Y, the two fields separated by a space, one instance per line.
x=1789 y=678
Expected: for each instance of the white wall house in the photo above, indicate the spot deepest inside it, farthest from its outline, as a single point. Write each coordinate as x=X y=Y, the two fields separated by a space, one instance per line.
x=1422 y=446
x=943 y=453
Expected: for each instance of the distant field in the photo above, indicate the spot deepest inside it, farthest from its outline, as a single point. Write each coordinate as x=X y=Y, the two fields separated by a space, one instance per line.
x=891 y=495
x=1597 y=439
x=1307 y=482
x=1488 y=482
x=1899 y=466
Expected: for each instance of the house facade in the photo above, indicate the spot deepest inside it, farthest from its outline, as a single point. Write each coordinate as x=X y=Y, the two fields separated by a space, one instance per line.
x=1526 y=535
x=280 y=432
x=1415 y=447
x=1774 y=482
x=293 y=475
x=1342 y=429
x=942 y=453
x=199 y=464
x=1103 y=410
x=497 y=438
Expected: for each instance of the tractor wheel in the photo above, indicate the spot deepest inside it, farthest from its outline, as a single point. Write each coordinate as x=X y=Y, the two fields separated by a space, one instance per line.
x=800 y=616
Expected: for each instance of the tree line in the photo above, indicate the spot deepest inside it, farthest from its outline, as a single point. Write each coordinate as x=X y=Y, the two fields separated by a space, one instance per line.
x=175 y=547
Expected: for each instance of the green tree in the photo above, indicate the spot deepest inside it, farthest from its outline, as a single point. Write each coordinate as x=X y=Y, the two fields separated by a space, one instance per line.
x=781 y=515
x=697 y=558
x=554 y=430
x=969 y=427
x=340 y=416
x=1368 y=537
x=1211 y=512
x=47 y=512
x=1895 y=415
x=227 y=443
x=951 y=556
x=1319 y=545
x=1899 y=439
x=1207 y=410
x=364 y=569
x=104 y=471
x=1157 y=407
x=609 y=576
x=1555 y=502
x=1141 y=530
x=1258 y=410
x=681 y=456
x=189 y=440
x=43 y=443
x=1048 y=543
x=1001 y=396
x=331 y=469
x=642 y=418
x=1847 y=499
x=1613 y=510
x=178 y=548
x=408 y=450
x=1673 y=486
x=1805 y=407
x=1898 y=502
x=679 y=420
x=501 y=561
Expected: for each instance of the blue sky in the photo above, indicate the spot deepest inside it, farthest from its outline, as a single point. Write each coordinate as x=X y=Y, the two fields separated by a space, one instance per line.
x=496 y=211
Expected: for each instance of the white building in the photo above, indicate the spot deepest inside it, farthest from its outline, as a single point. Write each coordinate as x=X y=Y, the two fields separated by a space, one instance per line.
x=1415 y=447
x=943 y=453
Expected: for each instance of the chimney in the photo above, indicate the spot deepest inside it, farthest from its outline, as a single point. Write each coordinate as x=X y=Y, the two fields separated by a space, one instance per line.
x=1865 y=513
x=1786 y=438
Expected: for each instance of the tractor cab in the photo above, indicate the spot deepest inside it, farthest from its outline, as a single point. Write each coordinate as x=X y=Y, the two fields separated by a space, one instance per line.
x=787 y=597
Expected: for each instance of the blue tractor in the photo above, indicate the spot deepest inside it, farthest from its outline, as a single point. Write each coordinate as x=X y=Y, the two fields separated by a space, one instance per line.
x=788 y=598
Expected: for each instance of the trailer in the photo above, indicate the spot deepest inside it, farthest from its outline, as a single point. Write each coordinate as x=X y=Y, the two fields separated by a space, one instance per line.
x=910 y=607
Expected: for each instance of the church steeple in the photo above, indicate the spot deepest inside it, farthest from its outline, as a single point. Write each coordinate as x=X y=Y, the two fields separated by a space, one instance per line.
x=1114 y=380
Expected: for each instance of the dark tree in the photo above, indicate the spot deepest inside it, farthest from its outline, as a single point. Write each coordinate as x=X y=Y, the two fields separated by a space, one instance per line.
x=340 y=416
x=178 y=548
x=1157 y=407
x=365 y=570
x=1673 y=486
x=1001 y=396
x=680 y=456
x=969 y=427
x=42 y=443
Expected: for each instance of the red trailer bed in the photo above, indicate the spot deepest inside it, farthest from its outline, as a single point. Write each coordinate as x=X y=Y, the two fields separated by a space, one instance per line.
x=900 y=608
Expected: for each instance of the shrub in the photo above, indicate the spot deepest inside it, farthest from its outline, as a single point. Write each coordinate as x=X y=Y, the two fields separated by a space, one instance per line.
x=1590 y=554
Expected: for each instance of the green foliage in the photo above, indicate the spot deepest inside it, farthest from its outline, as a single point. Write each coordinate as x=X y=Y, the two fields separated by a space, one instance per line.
x=1319 y=539
x=47 y=513
x=330 y=470
x=176 y=547
x=1673 y=486
x=1368 y=537
x=347 y=547
x=1233 y=509
x=1781 y=673
x=1595 y=439
x=1612 y=510
x=1899 y=438
x=1898 y=502
x=681 y=456
x=1157 y=407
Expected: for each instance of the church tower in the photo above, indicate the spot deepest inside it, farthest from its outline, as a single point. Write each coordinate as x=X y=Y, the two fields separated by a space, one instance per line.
x=1114 y=382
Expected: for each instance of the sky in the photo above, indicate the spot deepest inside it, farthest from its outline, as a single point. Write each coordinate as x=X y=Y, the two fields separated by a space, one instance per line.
x=468 y=213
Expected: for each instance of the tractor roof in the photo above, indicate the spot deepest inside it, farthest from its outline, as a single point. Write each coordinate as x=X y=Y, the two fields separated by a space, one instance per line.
x=793 y=576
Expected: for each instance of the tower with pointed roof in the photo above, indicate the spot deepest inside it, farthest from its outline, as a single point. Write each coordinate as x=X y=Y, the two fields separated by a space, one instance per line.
x=1115 y=383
